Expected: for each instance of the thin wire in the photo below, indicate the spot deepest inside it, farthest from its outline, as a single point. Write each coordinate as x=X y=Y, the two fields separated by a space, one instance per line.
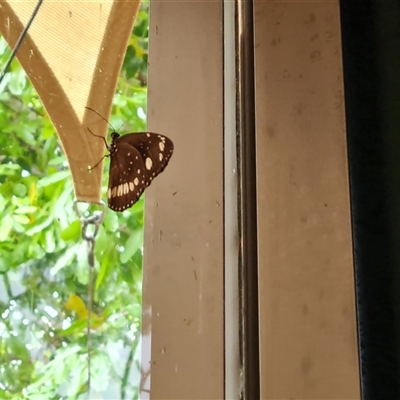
x=96 y=219
x=21 y=38
x=91 y=243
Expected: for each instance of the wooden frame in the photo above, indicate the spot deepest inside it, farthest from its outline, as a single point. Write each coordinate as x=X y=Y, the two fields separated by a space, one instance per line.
x=308 y=334
x=308 y=341
x=183 y=301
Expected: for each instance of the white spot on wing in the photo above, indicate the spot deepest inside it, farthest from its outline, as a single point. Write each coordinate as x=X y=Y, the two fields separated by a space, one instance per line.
x=149 y=163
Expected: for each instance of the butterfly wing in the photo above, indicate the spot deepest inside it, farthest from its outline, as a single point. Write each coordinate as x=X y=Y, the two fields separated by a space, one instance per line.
x=135 y=160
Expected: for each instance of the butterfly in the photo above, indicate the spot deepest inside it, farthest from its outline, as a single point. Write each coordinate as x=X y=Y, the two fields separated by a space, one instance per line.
x=135 y=160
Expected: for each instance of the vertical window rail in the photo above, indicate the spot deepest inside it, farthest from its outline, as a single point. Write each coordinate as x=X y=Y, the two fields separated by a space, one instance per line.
x=233 y=385
x=240 y=206
x=247 y=201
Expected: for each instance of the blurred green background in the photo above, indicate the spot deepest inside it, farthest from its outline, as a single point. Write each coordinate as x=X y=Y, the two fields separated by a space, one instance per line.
x=43 y=260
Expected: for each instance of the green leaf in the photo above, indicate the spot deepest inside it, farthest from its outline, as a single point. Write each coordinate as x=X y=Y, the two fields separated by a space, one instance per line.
x=119 y=101
x=104 y=266
x=9 y=169
x=18 y=227
x=39 y=393
x=134 y=242
x=56 y=177
x=141 y=29
x=77 y=326
x=6 y=225
x=22 y=219
x=17 y=82
x=39 y=226
x=77 y=379
x=4 y=84
x=3 y=203
x=4 y=265
x=101 y=367
x=131 y=63
x=72 y=232
x=25 y=133
x=111 y=221
x=19 y=253
x=57 y=161
x=20 y=190
x=64 y=260
x=50 y=243
x=35 y=251
x=17 y=347
x=25 y=210
x=82 y=268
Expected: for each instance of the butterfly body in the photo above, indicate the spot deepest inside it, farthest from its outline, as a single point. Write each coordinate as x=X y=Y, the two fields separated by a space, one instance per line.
x=135 y=160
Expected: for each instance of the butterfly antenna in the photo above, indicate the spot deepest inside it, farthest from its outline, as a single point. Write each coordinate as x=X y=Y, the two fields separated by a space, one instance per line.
x=108 y=122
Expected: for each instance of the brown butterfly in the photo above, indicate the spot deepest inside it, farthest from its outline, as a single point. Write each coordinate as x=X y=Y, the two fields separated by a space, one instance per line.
x=135 y=160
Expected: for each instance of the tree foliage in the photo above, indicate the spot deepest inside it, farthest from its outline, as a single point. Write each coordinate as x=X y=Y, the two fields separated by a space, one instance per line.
x=43 y=260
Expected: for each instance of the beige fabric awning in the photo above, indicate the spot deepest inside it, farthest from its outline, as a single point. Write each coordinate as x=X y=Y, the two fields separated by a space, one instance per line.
x=73 y=54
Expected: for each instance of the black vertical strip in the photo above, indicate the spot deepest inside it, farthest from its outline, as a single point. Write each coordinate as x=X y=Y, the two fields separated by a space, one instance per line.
x=371 y=59
x=248 y=202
